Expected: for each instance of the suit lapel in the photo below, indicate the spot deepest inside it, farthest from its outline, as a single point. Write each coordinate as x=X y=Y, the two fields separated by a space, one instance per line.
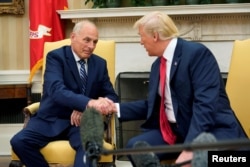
x=156 y=75
x=176 y=58
x=91 y=72
x=154 y=84
x=175 y=62
x=73 y=67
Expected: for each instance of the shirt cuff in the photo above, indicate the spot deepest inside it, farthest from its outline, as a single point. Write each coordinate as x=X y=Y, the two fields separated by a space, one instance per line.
x=118 y=110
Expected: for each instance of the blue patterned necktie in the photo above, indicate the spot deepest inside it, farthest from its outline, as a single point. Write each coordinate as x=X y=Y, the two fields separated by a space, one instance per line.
x=83 y=75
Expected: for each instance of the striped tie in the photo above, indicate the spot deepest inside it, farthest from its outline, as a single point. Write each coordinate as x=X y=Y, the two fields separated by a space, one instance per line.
x=83 y=75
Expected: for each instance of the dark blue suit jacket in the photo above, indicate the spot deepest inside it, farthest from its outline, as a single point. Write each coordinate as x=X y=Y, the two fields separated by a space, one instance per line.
x=62 y=90
x=199 y=99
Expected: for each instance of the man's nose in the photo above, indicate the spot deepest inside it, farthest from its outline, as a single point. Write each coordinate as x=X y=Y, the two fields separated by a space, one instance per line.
x=92 y=45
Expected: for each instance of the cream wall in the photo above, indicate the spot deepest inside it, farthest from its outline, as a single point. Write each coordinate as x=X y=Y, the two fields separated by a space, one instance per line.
x=14 y=38
x=14 y=41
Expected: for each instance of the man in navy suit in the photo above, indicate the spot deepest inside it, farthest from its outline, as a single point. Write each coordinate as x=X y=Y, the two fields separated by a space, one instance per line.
x=195 y=99
x=64 y=100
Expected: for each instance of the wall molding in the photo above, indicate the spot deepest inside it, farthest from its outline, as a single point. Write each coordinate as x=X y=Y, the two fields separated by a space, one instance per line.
x=170 y=10
x=213 y=22
x=20 y=77
x=14 y=76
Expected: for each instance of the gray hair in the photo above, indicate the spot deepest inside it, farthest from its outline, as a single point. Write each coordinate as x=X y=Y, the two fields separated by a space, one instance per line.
x=78 y=26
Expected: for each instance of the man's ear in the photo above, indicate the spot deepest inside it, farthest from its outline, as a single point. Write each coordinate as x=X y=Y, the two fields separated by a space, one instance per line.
x=156 y=36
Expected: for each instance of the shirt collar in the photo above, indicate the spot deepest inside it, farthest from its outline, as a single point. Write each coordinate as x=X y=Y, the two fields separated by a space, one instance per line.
x=169 y=51
x=77 y=58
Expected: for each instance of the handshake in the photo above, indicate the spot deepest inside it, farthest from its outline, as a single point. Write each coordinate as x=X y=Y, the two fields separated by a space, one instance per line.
x=104 y=105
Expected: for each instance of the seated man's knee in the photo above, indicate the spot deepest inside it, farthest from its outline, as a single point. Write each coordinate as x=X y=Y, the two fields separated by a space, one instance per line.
x=131 y=142
x=17 y=142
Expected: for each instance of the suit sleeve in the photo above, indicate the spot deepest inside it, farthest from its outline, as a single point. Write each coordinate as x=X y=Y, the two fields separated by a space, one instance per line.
x=56 y=76
x=205 y=81
x=135 y=110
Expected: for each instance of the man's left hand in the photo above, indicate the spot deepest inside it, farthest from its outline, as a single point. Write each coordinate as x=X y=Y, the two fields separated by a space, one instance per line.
x=75 y=118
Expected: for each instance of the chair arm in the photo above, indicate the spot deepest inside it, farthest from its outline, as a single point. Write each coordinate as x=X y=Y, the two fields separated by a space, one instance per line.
x=30 y=110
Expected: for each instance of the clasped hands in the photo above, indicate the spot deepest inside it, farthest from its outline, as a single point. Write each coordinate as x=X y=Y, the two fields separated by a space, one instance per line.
x=102 y=104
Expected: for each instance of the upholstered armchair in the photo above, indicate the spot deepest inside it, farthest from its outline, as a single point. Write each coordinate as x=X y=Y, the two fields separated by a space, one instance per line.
x=238 y=82
x=59 y=153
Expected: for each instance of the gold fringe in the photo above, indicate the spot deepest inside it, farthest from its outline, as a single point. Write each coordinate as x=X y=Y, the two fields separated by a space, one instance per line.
x=36 y=67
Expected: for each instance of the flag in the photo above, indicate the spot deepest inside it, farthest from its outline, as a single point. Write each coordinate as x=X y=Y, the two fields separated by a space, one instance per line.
x=45 y=25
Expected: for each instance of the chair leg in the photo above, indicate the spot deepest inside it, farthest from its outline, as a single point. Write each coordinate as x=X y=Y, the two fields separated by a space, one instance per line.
x=15 y=163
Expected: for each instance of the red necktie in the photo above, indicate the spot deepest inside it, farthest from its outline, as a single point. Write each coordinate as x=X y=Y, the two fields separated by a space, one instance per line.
x=166 y=130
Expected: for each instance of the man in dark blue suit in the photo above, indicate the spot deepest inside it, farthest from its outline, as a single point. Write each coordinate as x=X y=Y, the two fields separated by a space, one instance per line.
x=195 y=99
x=64 y=97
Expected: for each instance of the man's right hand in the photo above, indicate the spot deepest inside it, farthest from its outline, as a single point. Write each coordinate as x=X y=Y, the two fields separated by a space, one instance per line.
x=104 y=105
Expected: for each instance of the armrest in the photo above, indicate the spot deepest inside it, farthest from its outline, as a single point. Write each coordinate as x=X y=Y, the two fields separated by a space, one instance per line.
x=109 y=134
x=30 y=110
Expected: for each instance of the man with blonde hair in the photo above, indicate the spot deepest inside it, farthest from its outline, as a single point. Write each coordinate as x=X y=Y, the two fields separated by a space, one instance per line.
x=186 y=92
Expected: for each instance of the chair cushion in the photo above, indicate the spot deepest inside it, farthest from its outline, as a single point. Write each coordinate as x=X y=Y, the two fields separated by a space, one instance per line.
x=56 y=152
x=60 y=152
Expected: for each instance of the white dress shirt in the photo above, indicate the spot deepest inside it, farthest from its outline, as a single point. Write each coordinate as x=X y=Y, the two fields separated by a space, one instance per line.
x=168 y=55
x=78 y=64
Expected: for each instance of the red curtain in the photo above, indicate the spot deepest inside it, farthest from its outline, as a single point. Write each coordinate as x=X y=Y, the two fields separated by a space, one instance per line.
x=45 y=26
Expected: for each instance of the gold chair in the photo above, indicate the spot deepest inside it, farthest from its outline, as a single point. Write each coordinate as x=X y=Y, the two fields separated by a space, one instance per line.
x=60 y=153
x=238 y=82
